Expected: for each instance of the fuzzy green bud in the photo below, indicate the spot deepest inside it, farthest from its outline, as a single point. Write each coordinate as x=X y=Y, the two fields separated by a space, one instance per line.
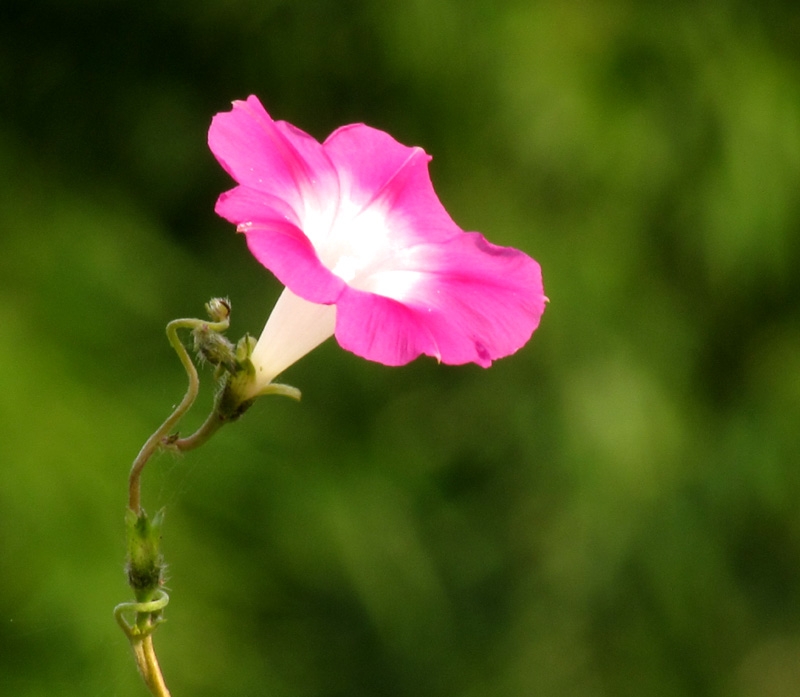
x=145 y=565
x=219 y=309
x=214 y=348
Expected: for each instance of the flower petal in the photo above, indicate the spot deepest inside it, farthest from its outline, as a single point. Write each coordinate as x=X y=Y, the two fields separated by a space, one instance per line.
x=375 y=170
x=463 y=301
x=271 y=156
x=243 y=204
x=283 y=248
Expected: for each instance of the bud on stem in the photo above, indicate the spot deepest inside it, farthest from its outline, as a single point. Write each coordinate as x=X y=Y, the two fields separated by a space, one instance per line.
x=145 y=565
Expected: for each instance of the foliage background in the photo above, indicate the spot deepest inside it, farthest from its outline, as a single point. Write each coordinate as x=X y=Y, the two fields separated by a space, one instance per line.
x=612 y=511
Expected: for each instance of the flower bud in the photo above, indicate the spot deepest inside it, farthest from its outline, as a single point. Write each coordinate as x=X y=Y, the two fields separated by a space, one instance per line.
x=219 y=309
x=214 y=348
x=145 y=565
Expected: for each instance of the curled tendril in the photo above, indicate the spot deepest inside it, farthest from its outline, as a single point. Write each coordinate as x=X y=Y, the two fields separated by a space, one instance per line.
x=153 y=608
x=148 y=617
x=217 y=309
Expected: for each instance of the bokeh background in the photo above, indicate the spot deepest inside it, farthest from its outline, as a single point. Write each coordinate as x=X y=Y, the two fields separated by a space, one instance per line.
x=613 y=511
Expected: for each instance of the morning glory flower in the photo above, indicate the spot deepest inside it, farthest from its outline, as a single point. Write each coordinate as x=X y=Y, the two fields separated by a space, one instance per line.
x=367 y=253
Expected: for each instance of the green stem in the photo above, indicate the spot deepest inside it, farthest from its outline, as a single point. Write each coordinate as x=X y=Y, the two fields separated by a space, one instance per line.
x=211 y=425
x=145 y=565
x=150 y=669
x=140 y=635
x=154 y=441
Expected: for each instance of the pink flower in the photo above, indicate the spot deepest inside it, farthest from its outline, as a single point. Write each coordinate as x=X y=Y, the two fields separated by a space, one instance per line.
x=353 y=229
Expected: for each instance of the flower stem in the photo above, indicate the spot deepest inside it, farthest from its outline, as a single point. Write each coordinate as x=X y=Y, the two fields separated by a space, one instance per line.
x=140 y=635
x=201 y=435
x=155 y=441
x=145 y=564
x=149 y=668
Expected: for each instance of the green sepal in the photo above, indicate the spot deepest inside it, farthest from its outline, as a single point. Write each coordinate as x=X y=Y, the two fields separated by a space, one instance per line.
x=229 y=405
x=244 y=349
x=145 y=565
x=282 y=390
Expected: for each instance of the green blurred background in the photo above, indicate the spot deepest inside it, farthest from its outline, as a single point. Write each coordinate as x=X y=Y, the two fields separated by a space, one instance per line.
x=613 y=511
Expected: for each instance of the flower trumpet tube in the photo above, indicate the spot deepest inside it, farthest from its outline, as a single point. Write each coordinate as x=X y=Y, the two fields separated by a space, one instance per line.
x=355 y=232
